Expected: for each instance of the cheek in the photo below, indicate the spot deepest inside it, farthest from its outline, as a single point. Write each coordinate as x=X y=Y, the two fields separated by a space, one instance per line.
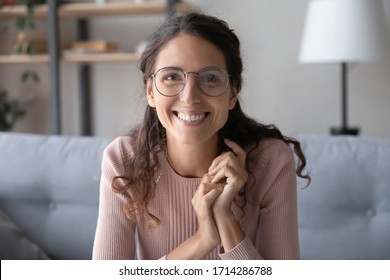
x=163 y=107
x=225 y=118
x=222 y=116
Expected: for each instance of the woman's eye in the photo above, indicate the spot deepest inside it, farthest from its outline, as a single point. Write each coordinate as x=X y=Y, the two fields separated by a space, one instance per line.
x=173 y=77
x=210 y=79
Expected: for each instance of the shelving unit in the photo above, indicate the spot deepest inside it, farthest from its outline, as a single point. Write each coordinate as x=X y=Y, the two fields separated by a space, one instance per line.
x=88 y=10
x=53 y=12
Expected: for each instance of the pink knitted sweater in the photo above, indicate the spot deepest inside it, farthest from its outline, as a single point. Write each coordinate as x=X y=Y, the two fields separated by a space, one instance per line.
x=269 y=220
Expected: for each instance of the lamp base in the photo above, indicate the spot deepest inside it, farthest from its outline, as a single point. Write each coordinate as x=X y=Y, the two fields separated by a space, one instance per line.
x=344 y=131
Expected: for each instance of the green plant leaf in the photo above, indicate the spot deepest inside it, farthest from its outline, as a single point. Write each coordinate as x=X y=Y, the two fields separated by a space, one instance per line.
x=30 y=22
x=10 y=111
x=9 y=119
x=25 y=76
x=21 y=23
x=30 y=75
x=30 y=49
x=35 y=76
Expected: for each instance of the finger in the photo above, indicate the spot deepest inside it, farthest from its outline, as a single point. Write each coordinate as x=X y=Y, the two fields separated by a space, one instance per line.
x=211 y=196
x=204 y=188
x=237 y=150
x=221 y=175
x=206 y=192
x=237 y=154
x=206 y=178
x=219 y=162
x=225 y=169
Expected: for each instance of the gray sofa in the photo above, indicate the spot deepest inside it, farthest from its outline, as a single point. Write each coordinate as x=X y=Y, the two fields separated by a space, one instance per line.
x=49 y=189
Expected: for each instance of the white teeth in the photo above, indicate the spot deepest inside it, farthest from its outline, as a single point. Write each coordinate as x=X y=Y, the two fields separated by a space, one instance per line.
x=190 y=118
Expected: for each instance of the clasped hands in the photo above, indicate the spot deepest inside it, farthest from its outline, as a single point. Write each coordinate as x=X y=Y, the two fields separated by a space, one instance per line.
x=214 y=196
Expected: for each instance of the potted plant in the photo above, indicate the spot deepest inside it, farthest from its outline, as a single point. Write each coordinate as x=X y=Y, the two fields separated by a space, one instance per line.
x=11 y=109
x=25 y=42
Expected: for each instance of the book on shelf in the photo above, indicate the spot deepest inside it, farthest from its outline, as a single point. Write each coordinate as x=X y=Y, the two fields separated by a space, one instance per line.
x=93 y=46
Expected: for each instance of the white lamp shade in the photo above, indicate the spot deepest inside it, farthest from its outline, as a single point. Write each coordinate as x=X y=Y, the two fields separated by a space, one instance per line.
x=344 y=31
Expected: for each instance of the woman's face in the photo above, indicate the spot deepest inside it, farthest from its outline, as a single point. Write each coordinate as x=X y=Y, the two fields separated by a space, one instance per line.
x=191 y=117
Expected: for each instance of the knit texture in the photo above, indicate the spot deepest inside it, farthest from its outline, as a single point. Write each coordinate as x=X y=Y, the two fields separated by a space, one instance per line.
x=269 y=218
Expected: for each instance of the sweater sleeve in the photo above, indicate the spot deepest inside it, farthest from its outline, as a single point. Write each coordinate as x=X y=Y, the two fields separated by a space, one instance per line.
x=115 y=237
x=276 y=189
x=245 y=250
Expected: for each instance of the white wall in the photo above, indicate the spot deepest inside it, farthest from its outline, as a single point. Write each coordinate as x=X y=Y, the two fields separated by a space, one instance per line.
x=277 y=89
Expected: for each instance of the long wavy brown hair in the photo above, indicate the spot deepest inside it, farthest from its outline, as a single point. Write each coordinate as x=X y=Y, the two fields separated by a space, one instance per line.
x=148 y=140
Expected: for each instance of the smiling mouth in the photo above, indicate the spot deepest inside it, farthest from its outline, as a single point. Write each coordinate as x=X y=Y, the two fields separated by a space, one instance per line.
x=191 y=118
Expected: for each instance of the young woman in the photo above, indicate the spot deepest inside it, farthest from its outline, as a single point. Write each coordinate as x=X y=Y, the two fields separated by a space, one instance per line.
x=198 y=179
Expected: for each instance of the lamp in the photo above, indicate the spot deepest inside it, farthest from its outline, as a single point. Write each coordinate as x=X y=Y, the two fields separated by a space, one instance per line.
x=344 y=31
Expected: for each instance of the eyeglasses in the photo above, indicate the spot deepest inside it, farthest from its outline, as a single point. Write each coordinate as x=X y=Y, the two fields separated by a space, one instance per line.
x=170 y=81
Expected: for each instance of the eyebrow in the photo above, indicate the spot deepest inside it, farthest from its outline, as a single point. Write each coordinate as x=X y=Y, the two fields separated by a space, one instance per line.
x=211 y=67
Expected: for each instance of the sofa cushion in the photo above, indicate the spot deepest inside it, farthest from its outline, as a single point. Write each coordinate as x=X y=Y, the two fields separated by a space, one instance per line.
x=345 y=212
x=49 y=186
x=14 y=245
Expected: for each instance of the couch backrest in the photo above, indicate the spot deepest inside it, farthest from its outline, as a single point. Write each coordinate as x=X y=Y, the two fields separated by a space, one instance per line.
x=49 y=186
x=345 y=213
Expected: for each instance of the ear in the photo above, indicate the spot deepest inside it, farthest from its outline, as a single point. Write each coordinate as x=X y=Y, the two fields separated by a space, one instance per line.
x=232 y=98
x=150 y=94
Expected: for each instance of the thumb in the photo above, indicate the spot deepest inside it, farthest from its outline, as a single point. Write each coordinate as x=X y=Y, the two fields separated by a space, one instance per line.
x=207 y=178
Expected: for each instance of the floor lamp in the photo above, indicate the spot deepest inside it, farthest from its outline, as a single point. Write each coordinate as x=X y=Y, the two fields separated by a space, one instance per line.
x=344 y=31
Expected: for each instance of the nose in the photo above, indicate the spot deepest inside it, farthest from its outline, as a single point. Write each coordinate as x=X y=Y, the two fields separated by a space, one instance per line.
x=191 y=92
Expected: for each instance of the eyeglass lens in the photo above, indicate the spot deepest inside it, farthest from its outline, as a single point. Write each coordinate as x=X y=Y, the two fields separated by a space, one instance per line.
x=171 y=81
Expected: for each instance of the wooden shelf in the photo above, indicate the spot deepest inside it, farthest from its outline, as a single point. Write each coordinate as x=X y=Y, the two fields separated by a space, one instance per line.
x=103 y=57
x=115 y=9
x=70 y=58
x=88 y=10
x=24 y=58
x=15 y=11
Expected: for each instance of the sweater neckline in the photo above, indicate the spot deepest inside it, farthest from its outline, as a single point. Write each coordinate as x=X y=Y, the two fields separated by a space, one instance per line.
x=167 y=169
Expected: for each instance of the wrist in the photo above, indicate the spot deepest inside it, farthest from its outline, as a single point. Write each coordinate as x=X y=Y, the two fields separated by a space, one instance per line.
x=229 y=229
x=194 y=248
x=222 y=211
x=204 y=241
